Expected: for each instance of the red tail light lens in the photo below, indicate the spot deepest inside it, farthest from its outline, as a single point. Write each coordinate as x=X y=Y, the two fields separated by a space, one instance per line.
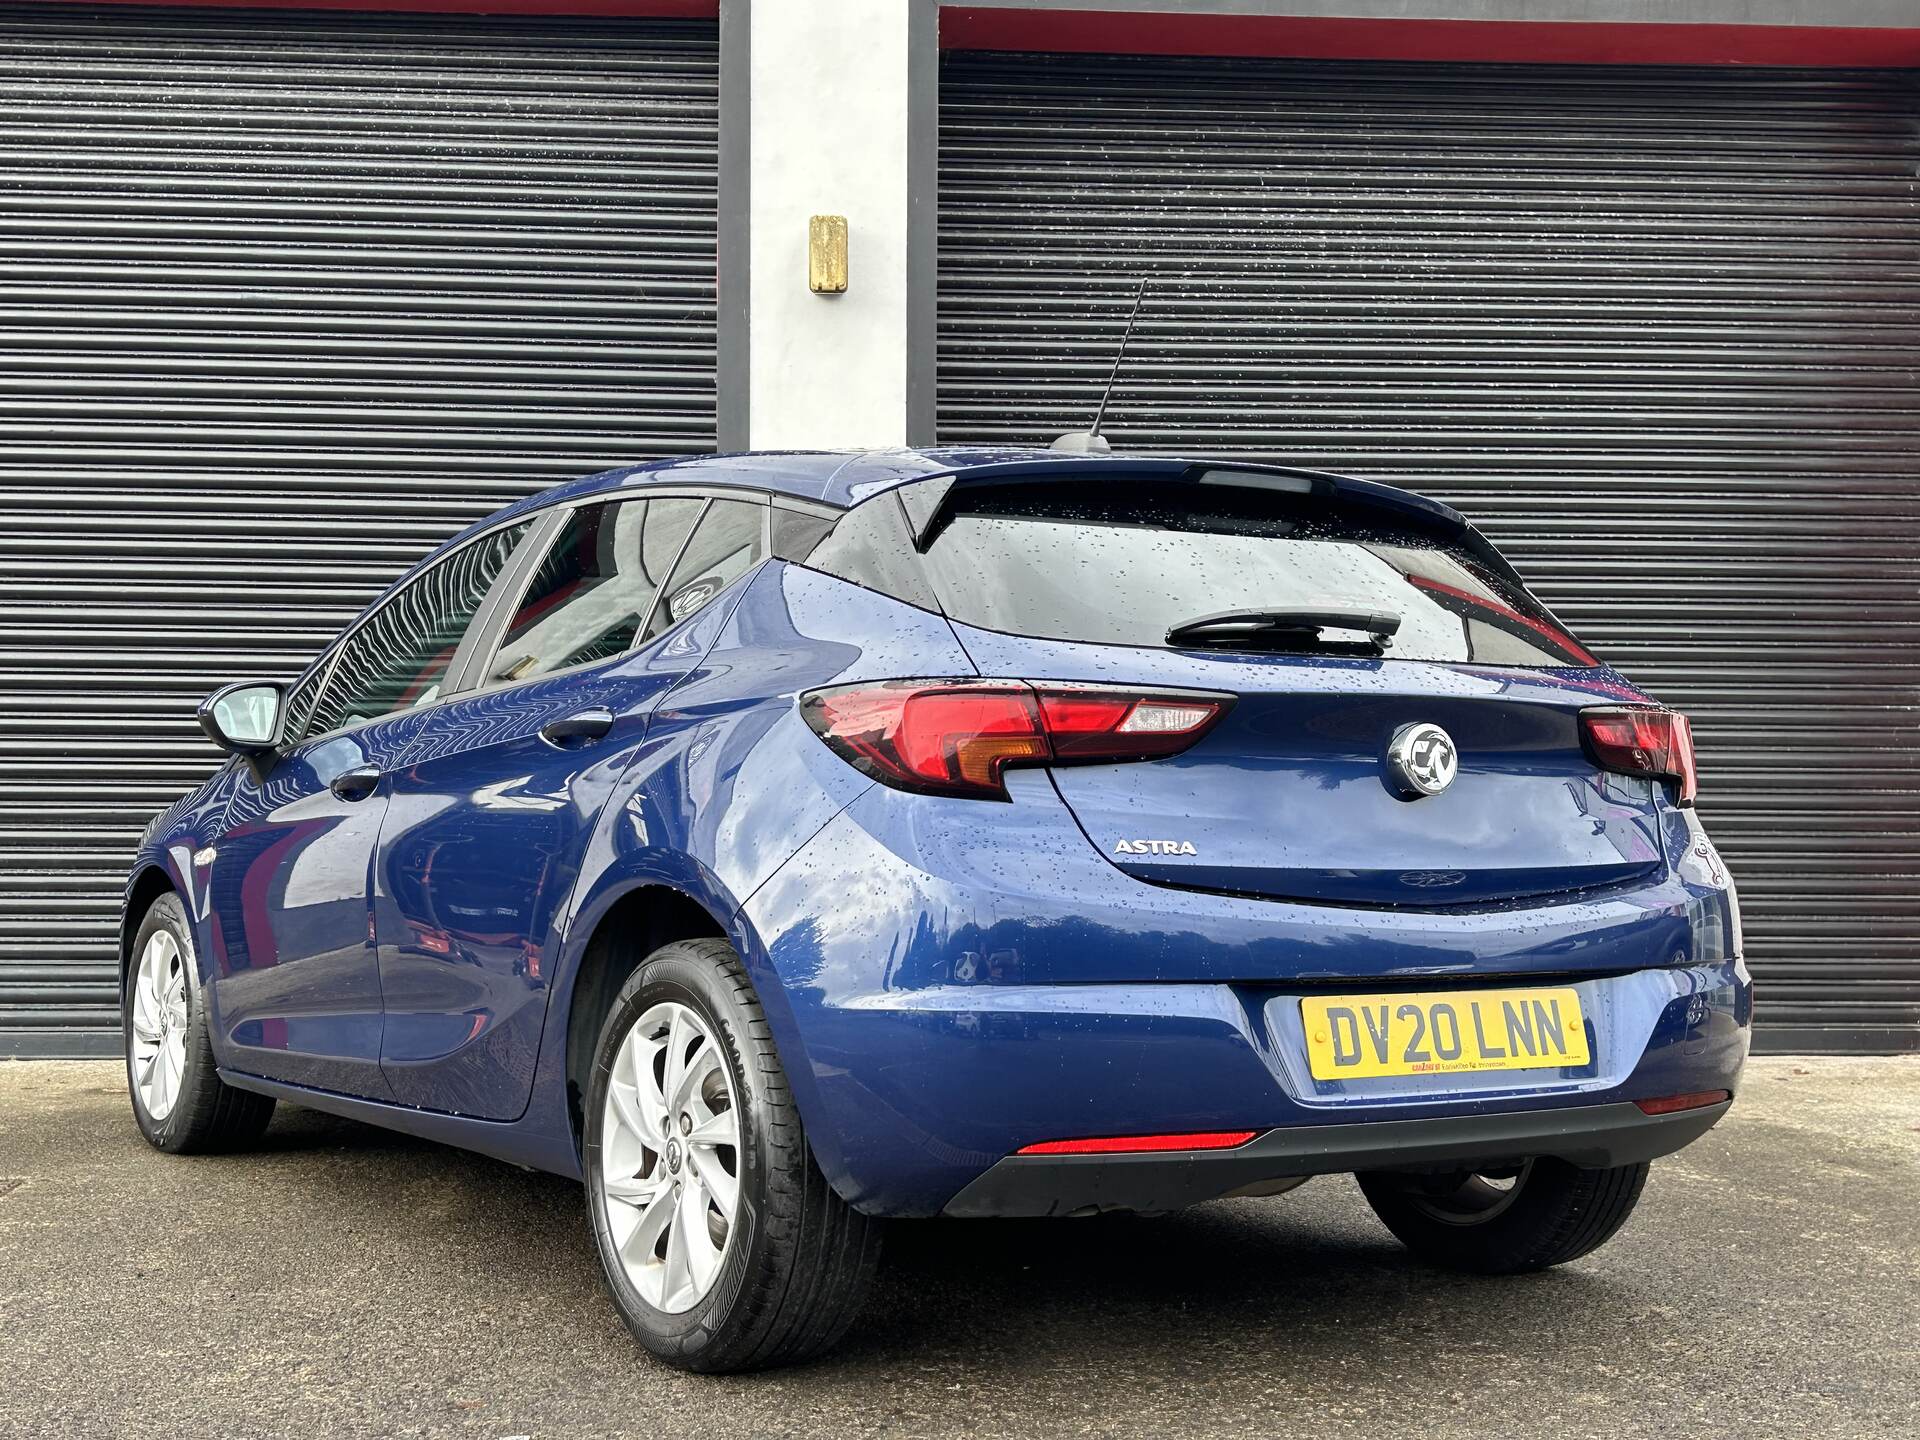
x=1643 y=741
x=957 y=737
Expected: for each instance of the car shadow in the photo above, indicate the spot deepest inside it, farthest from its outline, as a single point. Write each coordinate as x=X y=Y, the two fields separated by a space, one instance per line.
x=1311 y=1273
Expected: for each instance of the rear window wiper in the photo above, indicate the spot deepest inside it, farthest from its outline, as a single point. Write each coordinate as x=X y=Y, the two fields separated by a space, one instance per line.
x=1289 y=630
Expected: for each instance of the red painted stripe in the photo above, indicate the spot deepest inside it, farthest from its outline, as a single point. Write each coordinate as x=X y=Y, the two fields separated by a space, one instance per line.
x=1142 y=1144
x=1517 y=41
x=591 y=9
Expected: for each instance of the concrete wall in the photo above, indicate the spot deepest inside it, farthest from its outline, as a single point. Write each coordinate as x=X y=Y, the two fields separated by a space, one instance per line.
x=831 y=134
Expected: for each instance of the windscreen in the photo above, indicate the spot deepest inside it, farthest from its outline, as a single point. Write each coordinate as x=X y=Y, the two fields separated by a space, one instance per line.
x=1123 y=563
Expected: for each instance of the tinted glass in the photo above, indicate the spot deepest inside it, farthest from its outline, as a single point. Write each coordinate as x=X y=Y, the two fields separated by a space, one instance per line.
x=592 y=590
x=729 y=540
x=400 y=656
x=872 y=546
x=796 y=532
x=1121 y=563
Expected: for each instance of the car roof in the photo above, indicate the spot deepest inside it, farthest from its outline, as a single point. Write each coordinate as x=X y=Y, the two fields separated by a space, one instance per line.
x=843 y=478
x=833 y=477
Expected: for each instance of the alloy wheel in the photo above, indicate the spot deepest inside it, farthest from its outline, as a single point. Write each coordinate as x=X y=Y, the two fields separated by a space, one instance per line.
x=670 y=1156
x=159 y=1024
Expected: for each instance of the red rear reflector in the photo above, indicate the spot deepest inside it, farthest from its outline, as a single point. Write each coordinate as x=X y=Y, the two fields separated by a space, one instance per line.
x=1643 y=741
x=957 y=737
x=1695 y=1101
x=1140 y=1144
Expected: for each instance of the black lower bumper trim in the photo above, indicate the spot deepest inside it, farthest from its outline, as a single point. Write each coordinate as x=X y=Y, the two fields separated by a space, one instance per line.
x=1595 y=1137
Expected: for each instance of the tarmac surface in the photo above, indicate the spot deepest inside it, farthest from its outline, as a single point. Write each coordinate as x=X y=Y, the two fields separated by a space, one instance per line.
x=344 y=1280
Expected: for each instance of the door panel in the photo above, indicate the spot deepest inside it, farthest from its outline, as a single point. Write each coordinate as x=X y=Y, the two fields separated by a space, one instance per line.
x=482 y=844
x=494 y=805
x=296 y=989
x=497 y=799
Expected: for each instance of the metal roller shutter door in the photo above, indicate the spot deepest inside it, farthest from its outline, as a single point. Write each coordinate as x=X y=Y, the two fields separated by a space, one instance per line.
x=1654 y=328
x=285 y=299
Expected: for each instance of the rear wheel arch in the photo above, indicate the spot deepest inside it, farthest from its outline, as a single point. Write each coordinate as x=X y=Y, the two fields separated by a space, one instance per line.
x=793 y=1259
x=635 y=925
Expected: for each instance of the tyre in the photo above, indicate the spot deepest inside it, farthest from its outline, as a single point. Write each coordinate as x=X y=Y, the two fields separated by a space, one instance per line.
x=724 y=1247
x=1525 y=1217
x=179 y=1100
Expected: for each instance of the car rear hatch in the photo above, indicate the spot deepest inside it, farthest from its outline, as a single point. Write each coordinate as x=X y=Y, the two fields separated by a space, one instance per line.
x=1304 y=788
x=1293 y=794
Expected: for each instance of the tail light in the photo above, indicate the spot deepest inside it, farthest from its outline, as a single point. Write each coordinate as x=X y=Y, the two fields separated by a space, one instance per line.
x=957 y=737
x=1643 y=741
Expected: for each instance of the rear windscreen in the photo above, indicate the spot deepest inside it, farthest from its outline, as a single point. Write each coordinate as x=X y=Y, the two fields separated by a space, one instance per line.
x=1122 y=563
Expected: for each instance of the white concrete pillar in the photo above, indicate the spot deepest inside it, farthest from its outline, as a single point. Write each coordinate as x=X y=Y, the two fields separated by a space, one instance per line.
x=839 y=115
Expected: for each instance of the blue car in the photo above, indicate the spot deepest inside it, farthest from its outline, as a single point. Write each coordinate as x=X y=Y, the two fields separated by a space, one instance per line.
x=782 y=843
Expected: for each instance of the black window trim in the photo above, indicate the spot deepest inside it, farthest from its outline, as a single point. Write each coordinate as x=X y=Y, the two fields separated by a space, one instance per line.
x=508 y=608
x=813 y=510
x=493 y=615
x=666 y=578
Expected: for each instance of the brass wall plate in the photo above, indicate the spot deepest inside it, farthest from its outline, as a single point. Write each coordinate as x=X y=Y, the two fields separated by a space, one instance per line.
x=827 y=254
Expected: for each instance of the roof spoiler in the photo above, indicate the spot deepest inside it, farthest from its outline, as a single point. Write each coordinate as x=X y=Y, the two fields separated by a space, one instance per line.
x=926 y=501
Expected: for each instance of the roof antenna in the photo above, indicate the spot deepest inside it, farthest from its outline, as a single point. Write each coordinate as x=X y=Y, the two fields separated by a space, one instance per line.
x=1090 y=441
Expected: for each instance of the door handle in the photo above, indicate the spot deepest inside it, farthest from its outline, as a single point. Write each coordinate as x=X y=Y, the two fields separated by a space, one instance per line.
x=355 y=784
x=583 y=725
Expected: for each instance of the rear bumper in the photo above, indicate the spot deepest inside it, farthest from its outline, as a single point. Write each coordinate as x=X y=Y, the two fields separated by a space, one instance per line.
x=916 y=1102
x=1595 y=1137
x=946 y=991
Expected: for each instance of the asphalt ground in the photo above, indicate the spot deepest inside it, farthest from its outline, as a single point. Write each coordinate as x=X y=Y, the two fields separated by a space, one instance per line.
x=347 y=1281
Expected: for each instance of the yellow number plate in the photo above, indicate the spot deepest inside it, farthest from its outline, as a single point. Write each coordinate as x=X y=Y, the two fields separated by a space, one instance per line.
x=1353 y=1037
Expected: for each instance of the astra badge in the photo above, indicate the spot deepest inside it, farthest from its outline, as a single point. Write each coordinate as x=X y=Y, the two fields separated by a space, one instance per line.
x=1422 y=759
x=1155 y=847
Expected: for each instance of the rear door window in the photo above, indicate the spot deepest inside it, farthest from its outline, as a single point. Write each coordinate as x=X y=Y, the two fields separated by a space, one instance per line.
x=729 y=541
x=593 y=589
x=1121 y=562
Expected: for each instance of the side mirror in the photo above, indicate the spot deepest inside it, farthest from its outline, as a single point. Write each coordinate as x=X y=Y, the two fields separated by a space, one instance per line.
x=244 y=719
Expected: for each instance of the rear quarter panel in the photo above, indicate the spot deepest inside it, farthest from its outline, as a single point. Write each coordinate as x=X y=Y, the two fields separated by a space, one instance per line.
x=730 y=783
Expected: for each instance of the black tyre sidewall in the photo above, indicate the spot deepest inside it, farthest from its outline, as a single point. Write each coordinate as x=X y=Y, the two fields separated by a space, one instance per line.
x=172 y=1134
x=711 y=1326
x=1545 y=1225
